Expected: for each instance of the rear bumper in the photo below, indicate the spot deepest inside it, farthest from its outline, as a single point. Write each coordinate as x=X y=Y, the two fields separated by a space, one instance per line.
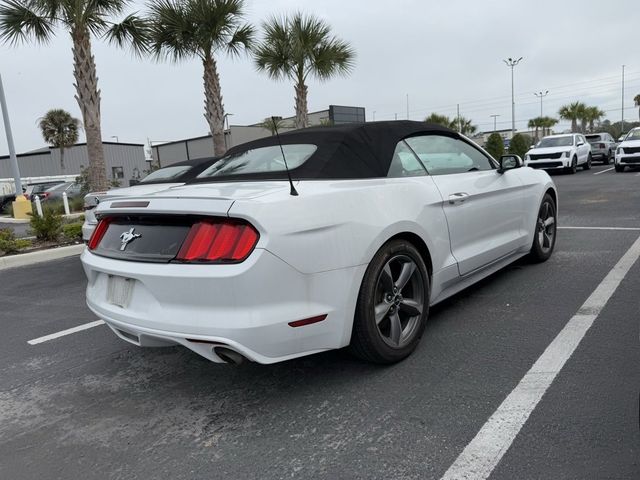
x=246 y=307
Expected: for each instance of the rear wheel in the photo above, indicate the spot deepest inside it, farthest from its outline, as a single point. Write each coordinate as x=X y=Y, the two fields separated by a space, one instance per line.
x=393 y=304
x=608 y=158
x=544 y=239
x=574 y=165
x=619 y=168
x=587 y=166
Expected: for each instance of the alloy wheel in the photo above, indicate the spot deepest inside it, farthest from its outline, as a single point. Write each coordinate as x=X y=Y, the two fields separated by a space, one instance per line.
x=399 y=301
x=546 y=227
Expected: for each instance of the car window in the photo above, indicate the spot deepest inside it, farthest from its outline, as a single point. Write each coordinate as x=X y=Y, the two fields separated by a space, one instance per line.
x=565 y=141
x=405 y=163
x=445 y=155
x=633 y=135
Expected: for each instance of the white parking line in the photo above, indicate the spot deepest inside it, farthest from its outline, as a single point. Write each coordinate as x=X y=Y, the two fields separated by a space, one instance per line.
x=628 y=229
x=603 y=171
x=483 y=453
x=68 y=331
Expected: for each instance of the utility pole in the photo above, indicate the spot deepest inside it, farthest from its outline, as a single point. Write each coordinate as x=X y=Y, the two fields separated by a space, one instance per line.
x=622 y=124
x=407 y=106
x=12 y=151
x=510 y=62
x=494 y=122
x=374 y=115
x=541 y=95
x=458 y=117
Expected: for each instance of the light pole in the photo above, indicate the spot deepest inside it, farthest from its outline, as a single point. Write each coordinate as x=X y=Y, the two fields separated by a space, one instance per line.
x=374 y=115
x=541 y=95
x=494 y=121
x=622 y=124
x=510 y=62
x=12 y=150
x=116 y=137
x=225 y=120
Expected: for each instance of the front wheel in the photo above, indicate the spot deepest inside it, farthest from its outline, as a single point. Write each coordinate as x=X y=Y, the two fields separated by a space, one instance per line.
x=574 y=166
x=544 y=238
x=587 y=166
x=393 y=304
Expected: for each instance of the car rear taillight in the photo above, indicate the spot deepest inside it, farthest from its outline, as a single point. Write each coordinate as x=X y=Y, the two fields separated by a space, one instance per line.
x=98 y=233
x=602 y=145
x=218 y=241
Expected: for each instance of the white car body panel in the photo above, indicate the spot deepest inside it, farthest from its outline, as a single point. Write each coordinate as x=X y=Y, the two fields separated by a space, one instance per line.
x=626 y=157
x=311 y=256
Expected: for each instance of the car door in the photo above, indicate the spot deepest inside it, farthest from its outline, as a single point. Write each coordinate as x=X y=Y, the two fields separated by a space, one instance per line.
x=484 y=209
x=583 y=148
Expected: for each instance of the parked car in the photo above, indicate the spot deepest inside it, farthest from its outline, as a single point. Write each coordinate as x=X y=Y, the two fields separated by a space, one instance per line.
x=628 y=152
x=560 y=152
x=39 y=188
x=337 y=237
x=603 y=147
x=72 y=189
x=170 y=176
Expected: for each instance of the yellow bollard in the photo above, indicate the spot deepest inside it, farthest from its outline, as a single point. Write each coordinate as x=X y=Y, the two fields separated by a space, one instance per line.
x=21 y=207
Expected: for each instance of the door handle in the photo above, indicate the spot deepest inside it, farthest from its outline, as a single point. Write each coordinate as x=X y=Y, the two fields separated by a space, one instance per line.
x=459 y=197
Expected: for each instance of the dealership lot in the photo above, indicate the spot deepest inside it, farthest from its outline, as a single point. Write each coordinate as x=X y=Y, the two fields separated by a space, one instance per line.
x=87 y=405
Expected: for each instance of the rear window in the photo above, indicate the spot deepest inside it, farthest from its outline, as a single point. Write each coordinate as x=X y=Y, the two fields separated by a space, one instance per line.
x=260 y=160
x=594 y=138
x=166 y=174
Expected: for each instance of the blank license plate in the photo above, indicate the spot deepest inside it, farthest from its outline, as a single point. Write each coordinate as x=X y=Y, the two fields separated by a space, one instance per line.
x=119 y=290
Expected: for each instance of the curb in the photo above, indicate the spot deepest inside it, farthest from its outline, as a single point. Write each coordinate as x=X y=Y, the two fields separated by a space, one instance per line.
x=24 y=259
x=13 y=220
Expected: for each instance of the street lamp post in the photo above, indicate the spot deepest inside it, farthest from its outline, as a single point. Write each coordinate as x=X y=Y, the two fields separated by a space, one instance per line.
x=622 y=125
x=541 y=95
x=116 y=137
x=510 y=62
x=495 y=116
x=12 y=151
x=225 y=120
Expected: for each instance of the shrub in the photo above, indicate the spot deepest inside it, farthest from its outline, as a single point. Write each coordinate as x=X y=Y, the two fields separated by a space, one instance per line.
x=9 y=243
x=47 y=227
x=72 y=231
x=519 y=144
x=495 y=145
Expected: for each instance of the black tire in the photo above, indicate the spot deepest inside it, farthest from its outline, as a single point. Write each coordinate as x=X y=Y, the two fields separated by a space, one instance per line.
x=587 y=166
x=607 y=159
x=619 y=168
x=574 y=166
x=368 y=339
x=544 y=243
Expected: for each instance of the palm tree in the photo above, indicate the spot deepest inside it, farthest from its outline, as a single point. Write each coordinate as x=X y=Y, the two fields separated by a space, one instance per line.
x=536 y=123
x=574 y=112
x=636 y=101
x=202 y=29
x=36 y=20
x=273 y=124
x=592 y=115
x=60 y=130
x=464 y=126
x=442 y=120
x=547 y=123
x=300 y=46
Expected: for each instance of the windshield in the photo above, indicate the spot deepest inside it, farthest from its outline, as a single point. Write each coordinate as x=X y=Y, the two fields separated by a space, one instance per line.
x=555 y=142
x=260 y=160
x=633 y=135
x=167 y=173
x=593 y=138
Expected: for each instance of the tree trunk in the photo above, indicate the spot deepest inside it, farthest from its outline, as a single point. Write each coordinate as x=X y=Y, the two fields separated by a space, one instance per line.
x=302 y=118
x=213 y=107
x=62 y=160
x=574 y=125
x=88 y=98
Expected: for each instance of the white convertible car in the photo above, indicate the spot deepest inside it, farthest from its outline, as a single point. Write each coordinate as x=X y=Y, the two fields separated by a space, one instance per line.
x=376 y=222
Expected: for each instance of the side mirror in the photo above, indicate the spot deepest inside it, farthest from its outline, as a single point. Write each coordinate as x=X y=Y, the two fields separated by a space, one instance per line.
x=509 y=162
x=580 y=144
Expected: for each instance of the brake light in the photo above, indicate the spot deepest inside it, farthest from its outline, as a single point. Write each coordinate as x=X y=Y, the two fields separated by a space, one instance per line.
x=218 y=241
x=98 y=233
x=602 y=145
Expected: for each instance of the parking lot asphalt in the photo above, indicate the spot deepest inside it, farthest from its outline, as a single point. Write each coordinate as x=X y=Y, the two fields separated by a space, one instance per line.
x=87 y=405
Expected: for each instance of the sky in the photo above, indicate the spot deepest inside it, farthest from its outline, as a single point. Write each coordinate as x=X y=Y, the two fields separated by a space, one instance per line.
x=435 y=53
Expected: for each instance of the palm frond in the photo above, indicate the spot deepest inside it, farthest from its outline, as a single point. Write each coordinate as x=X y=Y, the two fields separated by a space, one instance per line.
x=22 y=21
x=274 y=55
x=330 y=58
x=131 y=32
x=241 y=40
x=171 y=32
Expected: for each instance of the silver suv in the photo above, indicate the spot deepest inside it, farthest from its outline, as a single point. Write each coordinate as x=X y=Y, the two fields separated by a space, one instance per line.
x=603 y=147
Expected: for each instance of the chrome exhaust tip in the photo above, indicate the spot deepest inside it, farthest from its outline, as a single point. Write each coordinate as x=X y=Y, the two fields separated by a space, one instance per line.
x=229 y=356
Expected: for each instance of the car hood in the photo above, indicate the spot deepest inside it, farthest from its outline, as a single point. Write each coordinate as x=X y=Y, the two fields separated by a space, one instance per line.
x=630 y=143
x=542 y=151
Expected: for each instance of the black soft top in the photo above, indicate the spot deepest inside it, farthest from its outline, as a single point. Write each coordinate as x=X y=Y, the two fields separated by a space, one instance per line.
x=198 y=166
x=344 y=152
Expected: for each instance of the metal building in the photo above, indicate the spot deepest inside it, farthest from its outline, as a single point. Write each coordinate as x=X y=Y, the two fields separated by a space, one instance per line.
x=124 y=161
x=200 y=147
